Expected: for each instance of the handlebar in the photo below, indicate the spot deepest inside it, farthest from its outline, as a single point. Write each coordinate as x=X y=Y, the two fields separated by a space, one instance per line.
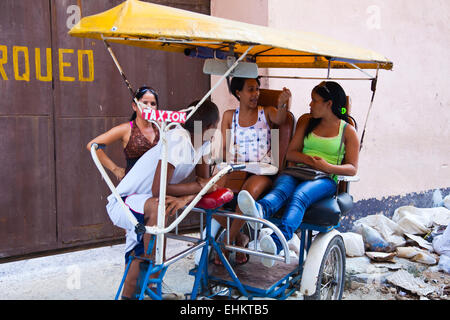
x=98 y=146
x=237 y=167
x=111 y=186
x=140 y=228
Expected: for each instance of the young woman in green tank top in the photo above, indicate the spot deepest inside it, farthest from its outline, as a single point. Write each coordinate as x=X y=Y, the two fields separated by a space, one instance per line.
x=316 y=143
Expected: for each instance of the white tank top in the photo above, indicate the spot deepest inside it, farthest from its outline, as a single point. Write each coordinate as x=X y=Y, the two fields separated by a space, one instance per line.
x=253 y=143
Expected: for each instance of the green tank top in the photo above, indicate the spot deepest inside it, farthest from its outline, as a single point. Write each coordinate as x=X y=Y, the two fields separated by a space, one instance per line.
x=326 y=148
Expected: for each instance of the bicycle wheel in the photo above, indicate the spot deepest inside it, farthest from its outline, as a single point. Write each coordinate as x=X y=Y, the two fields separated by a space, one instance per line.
x=330 y=283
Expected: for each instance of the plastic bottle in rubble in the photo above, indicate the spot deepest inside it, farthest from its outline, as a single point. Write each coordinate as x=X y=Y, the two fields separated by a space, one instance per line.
x=373 y=241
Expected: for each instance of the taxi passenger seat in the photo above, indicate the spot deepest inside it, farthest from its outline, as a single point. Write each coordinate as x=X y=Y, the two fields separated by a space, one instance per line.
x=268 y=97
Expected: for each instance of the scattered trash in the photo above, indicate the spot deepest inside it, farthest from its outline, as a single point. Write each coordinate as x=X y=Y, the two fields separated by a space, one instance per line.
x=441 y=243
x=373 y=241
x=381 y=256
x=411 y=221
x=444 y=263
x=392 y=265
x=420 y=241
x=424 y=258
x=416 y=254
x=387 y=228
x=420 y=220
x=437 y=231
x=446 y=202
x=407 y=281
x=447 y=290
x=354 y=244
x=440 y=215
x=357 y=265
x=402 y=252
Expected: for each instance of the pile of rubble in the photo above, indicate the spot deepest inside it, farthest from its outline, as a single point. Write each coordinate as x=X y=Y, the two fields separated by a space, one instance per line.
x=406 y=257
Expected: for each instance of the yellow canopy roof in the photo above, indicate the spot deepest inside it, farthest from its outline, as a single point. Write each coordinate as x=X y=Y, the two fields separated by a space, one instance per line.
x=160 y=27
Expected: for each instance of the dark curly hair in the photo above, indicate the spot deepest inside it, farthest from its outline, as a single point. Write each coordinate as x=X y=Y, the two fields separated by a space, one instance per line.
x=237 y=84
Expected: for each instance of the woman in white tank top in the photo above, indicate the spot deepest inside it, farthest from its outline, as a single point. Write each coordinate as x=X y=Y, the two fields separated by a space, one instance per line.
x=248 y=130
x=253 y=143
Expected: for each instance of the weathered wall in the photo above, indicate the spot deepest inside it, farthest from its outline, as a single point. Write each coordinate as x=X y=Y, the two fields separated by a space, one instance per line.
x=57 y=93
x=405 y=148
x=406 y=152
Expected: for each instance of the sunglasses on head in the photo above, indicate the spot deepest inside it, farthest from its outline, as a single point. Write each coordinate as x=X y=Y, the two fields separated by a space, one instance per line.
x=323 y=84
x=143 y=90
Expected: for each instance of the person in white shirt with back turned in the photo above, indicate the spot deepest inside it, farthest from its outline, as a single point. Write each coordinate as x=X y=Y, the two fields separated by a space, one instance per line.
x=140 y=187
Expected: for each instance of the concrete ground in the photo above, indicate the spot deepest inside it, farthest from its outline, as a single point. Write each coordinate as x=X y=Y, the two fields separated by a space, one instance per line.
x=95 y=274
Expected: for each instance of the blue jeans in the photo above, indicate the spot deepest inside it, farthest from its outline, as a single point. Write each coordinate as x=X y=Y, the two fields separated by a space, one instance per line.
x=297 y=195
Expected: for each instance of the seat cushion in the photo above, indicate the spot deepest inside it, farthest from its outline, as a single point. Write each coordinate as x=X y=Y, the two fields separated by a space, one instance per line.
x=345 y=202
x=327 y=212
x=215 y=199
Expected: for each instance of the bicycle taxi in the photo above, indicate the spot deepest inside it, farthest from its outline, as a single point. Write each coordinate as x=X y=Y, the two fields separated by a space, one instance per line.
x=233 y=48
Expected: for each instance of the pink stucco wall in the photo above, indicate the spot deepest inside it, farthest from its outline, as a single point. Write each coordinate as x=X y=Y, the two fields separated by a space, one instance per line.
x=407 y=143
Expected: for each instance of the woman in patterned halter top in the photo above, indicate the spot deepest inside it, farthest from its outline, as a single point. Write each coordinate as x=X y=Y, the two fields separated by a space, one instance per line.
x=248 y=130
x=137 y=136
x=138 y=144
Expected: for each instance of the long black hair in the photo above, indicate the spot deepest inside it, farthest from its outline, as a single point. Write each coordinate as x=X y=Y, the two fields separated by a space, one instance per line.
x=140 y=93
x=330 y=90
x=207 y=114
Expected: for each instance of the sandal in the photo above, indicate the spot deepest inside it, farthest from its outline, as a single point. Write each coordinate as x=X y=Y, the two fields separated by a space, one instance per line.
x=217 y=260
x=242 y=241
x=240 y=257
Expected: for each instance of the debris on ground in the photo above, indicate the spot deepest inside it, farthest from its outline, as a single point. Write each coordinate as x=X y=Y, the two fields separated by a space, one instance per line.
x=354 y=244
x=408 y=281
x=420 y=241
x=446 y=202
x=404 y=258
x=444 y=263
x=417 y=254
x=381 y=256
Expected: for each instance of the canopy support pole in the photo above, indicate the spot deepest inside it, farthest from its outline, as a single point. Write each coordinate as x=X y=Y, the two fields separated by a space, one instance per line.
x=358 y=68
x=374 y=89
x=329 y=69
x=127 y=83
